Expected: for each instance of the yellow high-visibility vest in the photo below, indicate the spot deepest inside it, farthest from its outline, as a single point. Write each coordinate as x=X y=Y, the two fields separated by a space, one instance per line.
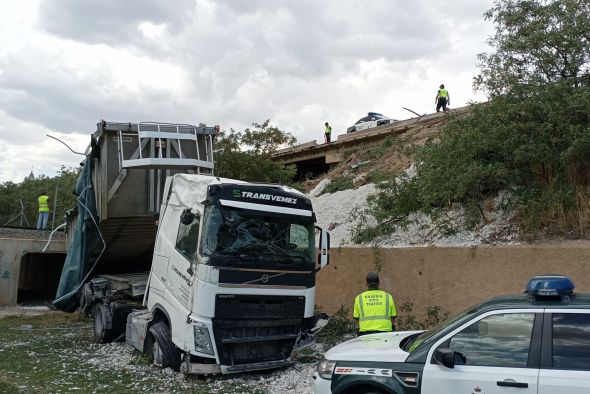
x=374 y=309
x=328 y=129
x=443 y=93
x=43 y=205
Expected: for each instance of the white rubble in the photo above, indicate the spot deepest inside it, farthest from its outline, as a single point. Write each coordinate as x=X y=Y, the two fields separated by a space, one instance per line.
x=334 y=212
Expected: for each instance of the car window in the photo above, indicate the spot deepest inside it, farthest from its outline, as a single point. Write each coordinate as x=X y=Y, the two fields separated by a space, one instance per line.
x=501 y=340
x=365 y=119
x=571 y=341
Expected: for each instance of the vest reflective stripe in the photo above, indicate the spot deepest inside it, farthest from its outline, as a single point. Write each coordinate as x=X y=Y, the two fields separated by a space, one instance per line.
x=361 y=311
x=43 y=205
x=443 y=93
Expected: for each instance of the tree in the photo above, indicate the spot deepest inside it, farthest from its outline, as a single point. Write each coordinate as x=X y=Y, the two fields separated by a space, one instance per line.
x=536 y=42
x=247 y=155
x=28 y=191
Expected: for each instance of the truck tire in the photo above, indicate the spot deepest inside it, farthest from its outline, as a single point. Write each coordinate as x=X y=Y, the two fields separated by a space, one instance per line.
x=101 y=333
x=165 y=353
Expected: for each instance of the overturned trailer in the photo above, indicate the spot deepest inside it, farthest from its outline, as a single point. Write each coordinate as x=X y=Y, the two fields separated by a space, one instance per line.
x=208 y=274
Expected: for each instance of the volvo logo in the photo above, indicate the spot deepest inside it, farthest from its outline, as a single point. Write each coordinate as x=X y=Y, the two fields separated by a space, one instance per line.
x=264 y=278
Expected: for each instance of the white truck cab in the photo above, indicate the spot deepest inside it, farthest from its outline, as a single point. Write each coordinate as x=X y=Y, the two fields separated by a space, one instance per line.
x=232 y=282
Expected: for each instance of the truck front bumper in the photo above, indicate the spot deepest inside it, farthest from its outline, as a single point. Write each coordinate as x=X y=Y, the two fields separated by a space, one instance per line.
x=207 y=369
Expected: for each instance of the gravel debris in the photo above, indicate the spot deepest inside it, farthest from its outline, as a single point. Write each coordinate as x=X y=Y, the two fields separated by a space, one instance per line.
x=333 y=210
x=25 y=233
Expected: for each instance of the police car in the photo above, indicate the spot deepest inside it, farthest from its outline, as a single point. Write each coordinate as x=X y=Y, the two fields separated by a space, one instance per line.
x=537 y=342
x=373 y=119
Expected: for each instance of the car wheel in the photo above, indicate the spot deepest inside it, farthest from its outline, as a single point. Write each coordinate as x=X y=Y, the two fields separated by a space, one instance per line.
x=351 y=129
x=164 y=352
x=101 y=333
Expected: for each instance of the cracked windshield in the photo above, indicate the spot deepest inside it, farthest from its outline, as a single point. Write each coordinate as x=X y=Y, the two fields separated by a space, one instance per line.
x=248 y=234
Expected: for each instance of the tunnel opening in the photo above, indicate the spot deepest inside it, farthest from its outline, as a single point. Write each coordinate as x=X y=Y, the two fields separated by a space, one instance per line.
x=39 y=278
x=307 y=169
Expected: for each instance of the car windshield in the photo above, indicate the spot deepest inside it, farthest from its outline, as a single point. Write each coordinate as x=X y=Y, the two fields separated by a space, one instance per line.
x=419 y=340
x=257 y=235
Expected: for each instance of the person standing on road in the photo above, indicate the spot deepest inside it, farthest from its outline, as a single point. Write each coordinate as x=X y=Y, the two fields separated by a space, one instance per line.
x=328 y=133
x=374 y=309
x=442 y=99
x=43 y=211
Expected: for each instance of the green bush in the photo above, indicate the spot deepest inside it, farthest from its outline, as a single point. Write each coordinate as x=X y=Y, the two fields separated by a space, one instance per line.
x=343 y=182
x=338 y=329
x=534 y=142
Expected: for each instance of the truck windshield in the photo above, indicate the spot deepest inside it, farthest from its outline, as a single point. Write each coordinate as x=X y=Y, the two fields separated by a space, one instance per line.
x=257 y=235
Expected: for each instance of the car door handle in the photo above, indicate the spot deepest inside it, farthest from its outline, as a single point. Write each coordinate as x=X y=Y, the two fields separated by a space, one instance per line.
x=511 y=383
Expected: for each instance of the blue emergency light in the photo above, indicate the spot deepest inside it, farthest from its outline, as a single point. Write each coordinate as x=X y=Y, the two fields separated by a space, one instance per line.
x=550 y=286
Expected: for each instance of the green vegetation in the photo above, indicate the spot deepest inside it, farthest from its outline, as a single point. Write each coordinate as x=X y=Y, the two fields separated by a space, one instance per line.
x=29 y=190
x=338 y=329
x=247 y=155
x=433 y=316
x=532 y=139
x=341 y=327
x=343 y=182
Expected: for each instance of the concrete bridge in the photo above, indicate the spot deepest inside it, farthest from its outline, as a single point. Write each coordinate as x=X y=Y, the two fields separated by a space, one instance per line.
x=313 y=158
x=27 y=274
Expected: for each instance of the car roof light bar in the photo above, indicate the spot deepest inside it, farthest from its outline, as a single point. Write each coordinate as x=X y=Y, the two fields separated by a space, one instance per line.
x=550 y=286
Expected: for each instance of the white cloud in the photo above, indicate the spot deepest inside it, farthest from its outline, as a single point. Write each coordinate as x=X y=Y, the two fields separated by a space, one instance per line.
x=65 y=64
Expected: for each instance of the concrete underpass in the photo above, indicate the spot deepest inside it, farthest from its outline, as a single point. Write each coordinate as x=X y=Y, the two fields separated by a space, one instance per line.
x=28 y=275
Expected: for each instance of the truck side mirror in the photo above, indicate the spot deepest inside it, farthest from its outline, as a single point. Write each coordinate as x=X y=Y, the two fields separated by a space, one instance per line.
x=323 y=256
x=448 y=357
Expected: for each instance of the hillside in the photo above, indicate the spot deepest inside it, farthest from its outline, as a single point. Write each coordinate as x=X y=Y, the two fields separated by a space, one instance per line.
x=340 y=196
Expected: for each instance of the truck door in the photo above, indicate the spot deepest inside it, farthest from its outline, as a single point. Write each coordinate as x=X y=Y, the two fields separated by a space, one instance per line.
x=179 y=276
x=494 y=354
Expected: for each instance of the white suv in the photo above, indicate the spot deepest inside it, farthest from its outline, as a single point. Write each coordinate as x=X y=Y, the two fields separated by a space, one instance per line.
x=532 y=343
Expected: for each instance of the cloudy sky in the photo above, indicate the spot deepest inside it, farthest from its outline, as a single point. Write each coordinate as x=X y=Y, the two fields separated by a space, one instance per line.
x=66 y=64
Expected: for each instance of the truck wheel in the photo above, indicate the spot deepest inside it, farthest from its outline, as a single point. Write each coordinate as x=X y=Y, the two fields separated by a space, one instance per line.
x=101 y=333
x=164 y=352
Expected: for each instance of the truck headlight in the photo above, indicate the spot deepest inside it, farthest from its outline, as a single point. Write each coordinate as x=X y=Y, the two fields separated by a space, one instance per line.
x=202 y=338
x=326 y=368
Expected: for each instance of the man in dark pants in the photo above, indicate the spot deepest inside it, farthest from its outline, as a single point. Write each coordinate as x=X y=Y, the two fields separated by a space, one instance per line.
x=442 y=99
x=327 y=133
x=374 y=309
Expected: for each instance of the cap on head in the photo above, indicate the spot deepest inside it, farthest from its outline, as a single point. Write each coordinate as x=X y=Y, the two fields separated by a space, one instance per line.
x=372 y=278
x=326 y=123
x=442 y=86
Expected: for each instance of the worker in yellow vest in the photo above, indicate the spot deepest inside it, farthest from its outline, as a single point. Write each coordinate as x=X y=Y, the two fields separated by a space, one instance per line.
x=43 y=211
x=328 y=133
x=374 y=309
x=442 y=99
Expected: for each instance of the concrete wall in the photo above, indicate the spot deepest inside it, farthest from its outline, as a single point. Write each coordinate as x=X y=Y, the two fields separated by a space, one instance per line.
x=451 y=277
x=12 y=252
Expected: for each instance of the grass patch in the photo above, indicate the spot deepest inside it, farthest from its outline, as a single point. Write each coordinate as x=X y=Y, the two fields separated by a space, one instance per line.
x=56 y=353
x=343 y=182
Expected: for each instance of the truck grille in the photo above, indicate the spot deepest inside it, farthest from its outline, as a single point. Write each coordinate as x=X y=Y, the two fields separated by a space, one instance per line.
x=254 y=329
x=259 y=307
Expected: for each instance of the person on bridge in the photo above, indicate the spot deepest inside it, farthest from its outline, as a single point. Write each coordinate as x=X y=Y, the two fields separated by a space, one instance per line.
x=328 y=133
x=442 y=99
x=43 y=211
x=374 y=309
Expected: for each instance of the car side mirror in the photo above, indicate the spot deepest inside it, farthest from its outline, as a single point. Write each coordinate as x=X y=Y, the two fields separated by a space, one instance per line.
x=448 y=357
